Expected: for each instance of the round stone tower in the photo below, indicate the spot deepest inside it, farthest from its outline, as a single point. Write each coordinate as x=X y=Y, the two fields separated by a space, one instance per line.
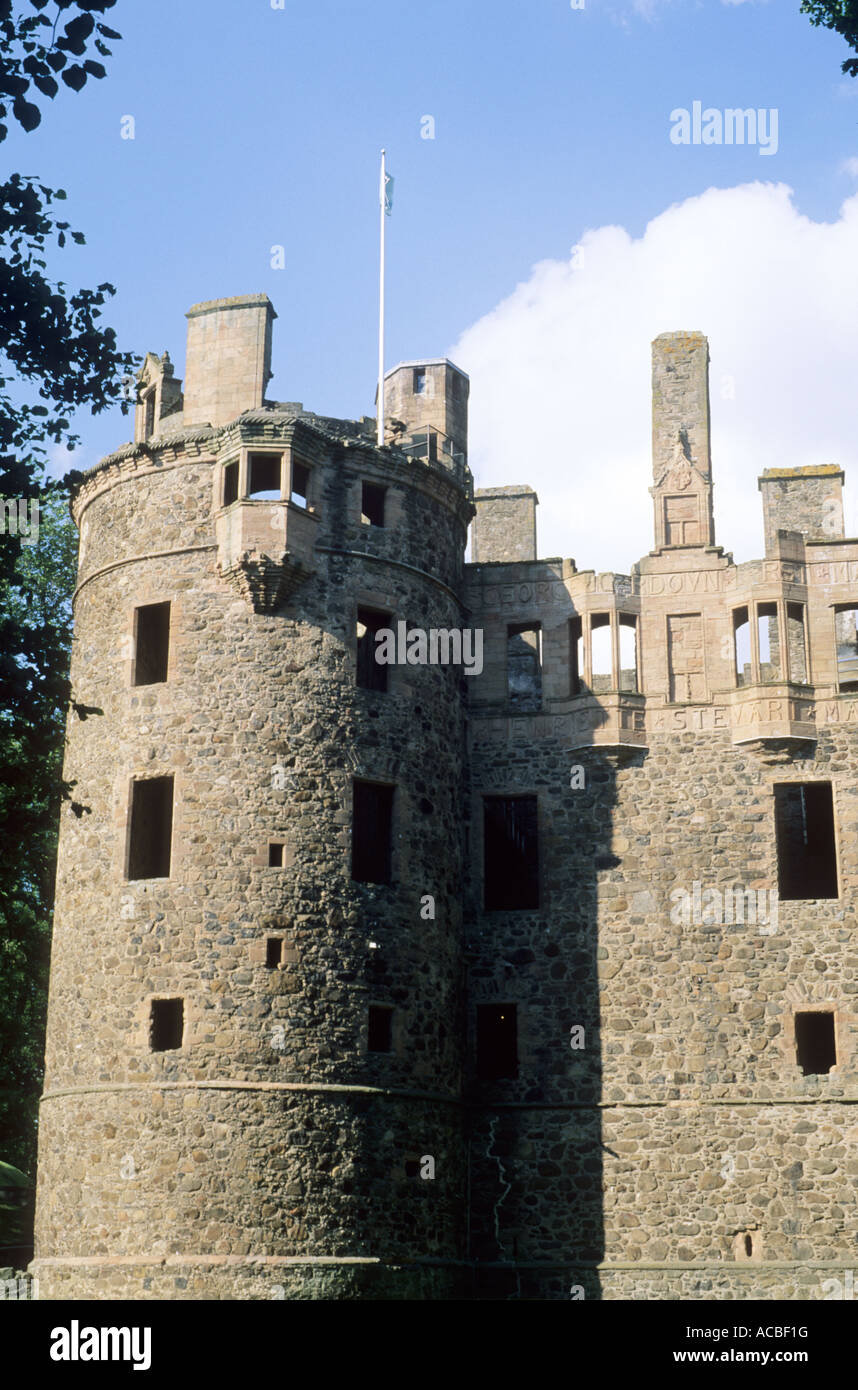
x=253 y=1071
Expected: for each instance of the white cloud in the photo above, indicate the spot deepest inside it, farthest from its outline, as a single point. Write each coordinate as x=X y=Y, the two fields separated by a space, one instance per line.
x=850 y=166
x=560 y=370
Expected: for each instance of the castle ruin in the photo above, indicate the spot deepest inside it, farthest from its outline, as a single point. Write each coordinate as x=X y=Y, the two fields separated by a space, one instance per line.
x=407 y=982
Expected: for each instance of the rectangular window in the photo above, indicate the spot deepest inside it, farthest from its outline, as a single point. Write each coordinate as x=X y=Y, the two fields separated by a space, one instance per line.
x=263 y=476
x=273 y=951
x=372 y=504
x=166 y=1024
x=379 y=1028
x=510 y=850
x=628 y=653
x=372 y=824
x=149 y=427
x=419 y=381
x=230 y=484
x=846 y=636
x=797 y=643
x=524 y=666
x=576 y=656
x=768 y=633
x=804 y=834
x=742 y=646
x=497 y=1041
x=815 y=1047
x=151 y=828
x=371 y=674
x=601 y=655
x=275 y=855
x=300 y=493
x=151 y=643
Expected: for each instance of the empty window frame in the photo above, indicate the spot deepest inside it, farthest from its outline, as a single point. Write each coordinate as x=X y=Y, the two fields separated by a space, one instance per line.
x=769 y=642
x=151 y=828
x=300 y=487
x=804 y=835
x=815 y=1045
x=275 y=854
x=419 y=381
x=273 y=951
x=372 y=504
x=265 y=476
x=151 y=643
x=743 y=660
x=797 y=644
x=166 y=1024
x=628 y=632
x=510 y=853
x=379 y=1028
x=576 y=656
x=372 y=832
x=524 y=666
x=601 y=653
x=230 y=483
x=497 y=1041
x=371 y=674
x=846 y=637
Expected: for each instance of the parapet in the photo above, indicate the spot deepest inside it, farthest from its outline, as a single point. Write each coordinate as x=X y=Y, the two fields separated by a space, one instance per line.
x=505 y=525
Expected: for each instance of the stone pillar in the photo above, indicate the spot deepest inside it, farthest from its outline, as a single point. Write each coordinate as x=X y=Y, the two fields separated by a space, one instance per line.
x=681 y=464
x=804 y=500
x=228 y=362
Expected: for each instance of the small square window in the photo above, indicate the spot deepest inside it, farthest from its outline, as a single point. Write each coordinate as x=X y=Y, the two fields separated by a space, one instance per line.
x=372 y=504
x=263 y=476
x=371 y=674
x=273 y=951
x=815 y=1047
x=497 y=1041
x=166 y=1024
x=275 y=856
x=152 y=643
x=380 y=1028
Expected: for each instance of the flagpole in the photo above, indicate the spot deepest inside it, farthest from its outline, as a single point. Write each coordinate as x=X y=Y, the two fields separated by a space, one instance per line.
x=380 y=412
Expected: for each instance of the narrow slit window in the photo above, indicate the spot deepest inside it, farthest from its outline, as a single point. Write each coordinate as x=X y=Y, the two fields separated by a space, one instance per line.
x=372 y=504
x=600 y=653
x=576 y=656
x=151 y=643
x=815 y=1046
x=511 y=856
x=263 y=476
x=166 y=1024
x=628 y=653
x=380 y=1028
x=230 y=484
x=804 y=834
x=275 y=855
x=273 y=951
x=300 y=494
x=419 y=381
x=524 y=666
x=846 y=633
x=797 y=644
x=371 y=673
x=149 y=402
x=372 y=825
x=151 y=828
x=768 y=632
x=497 y=1041
x=742 y=646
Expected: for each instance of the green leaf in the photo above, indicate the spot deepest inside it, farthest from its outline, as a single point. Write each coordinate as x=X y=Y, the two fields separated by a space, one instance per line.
x=74 y=77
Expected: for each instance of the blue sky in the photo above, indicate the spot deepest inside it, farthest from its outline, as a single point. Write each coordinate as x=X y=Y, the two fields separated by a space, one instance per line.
x=257 y=127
